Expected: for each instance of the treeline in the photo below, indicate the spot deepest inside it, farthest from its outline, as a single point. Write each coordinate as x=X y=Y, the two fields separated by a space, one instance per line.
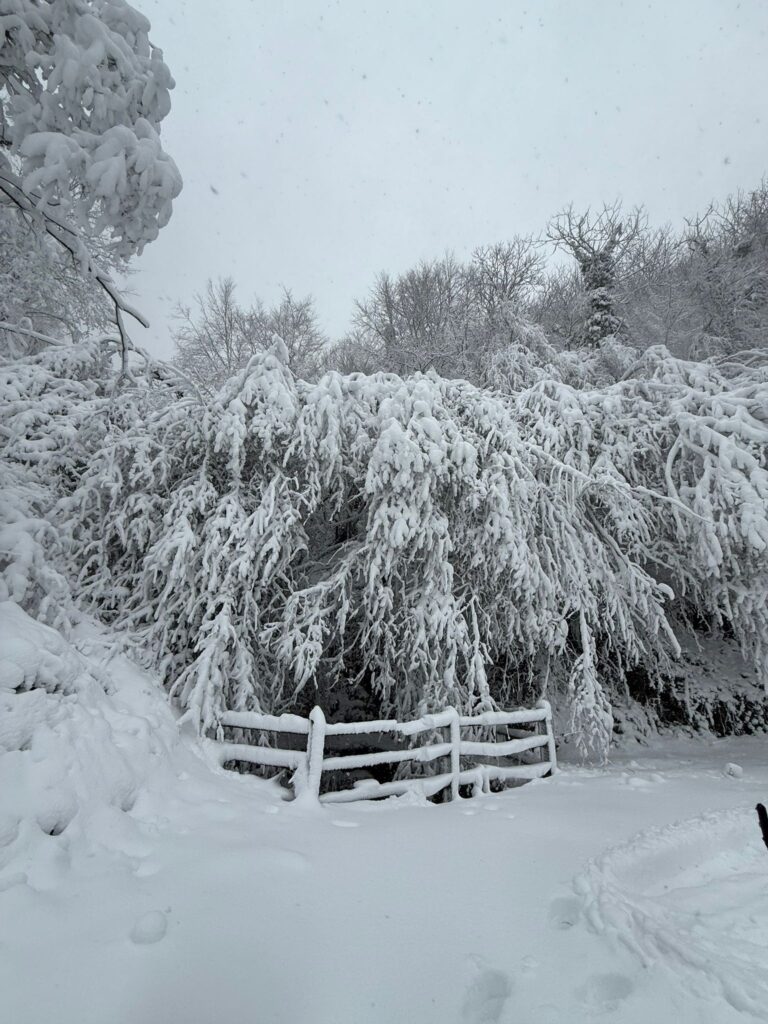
x=624 y=287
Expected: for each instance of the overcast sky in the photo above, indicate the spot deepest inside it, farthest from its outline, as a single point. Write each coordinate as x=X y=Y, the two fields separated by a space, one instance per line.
x=323 y=142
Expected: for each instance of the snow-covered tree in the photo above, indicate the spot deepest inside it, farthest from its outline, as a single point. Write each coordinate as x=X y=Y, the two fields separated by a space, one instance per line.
x=83 y=93
x=599 y=243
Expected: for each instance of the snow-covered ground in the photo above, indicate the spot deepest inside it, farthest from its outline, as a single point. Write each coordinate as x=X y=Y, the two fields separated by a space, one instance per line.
x=140 y=884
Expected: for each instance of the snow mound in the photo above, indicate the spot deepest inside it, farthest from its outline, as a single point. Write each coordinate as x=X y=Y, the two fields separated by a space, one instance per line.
x=34 y=655
x=693 y=897
x=72 y=756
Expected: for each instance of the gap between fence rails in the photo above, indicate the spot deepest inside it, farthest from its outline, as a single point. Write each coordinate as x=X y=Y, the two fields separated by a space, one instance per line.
x=309 y=764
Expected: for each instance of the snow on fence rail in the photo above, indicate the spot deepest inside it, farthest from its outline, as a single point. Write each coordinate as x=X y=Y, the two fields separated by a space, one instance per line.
x=313 y=758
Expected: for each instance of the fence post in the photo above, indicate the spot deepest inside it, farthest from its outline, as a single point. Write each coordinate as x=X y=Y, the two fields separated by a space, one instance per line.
x=551 y=752
x=315 y=752
x=455 y=735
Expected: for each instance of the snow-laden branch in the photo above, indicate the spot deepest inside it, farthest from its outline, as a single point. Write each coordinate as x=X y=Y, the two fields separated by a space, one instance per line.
x=72 y=241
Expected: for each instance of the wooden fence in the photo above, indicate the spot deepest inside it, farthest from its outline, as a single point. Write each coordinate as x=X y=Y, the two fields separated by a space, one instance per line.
x=482 y=758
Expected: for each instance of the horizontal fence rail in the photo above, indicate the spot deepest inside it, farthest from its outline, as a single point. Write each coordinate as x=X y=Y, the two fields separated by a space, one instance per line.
x=473 y=763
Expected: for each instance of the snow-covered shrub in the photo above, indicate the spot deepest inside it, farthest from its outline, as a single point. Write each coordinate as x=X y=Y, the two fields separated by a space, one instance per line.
x=406 y=542
x=422 y=540
x=711 y=689
x=70 y=754
x=29 y=542
x=77 y=742
x=698 y=434
x=530 y=358
x=56 y=408
x=45 y=401
x=35 y=656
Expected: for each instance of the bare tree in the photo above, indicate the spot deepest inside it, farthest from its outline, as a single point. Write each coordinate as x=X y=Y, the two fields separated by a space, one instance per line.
x=447 y=315
x=559 y=306
x=353 y=353
x=505 y=273
x=216 y=337
x=410 y=318
x=295 y=322
x=726 y=270
x=212 y=340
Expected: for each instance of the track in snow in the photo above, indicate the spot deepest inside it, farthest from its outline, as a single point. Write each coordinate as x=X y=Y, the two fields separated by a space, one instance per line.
x=694 y=897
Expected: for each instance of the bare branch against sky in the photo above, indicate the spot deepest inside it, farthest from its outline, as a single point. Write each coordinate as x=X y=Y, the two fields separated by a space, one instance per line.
x=323 y=142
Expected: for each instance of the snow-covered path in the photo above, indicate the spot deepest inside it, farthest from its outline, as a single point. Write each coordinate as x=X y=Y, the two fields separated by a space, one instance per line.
x=212 y=900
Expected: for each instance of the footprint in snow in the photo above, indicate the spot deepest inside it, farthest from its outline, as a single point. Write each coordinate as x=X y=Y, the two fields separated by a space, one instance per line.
x=340 y=823
x=604 y=992
x=486 y=997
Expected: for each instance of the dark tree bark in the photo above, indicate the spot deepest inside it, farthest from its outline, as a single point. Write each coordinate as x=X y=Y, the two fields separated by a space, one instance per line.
x=762 y=817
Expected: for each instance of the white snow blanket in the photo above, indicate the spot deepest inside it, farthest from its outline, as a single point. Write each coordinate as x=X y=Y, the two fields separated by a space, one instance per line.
x=141 y=883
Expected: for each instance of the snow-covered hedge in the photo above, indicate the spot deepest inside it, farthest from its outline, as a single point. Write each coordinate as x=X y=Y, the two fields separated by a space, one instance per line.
x=403 y=544
x=427 y=542
x=71 y=746
x=45 y=402
x=57 y=407
x=696 y=435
